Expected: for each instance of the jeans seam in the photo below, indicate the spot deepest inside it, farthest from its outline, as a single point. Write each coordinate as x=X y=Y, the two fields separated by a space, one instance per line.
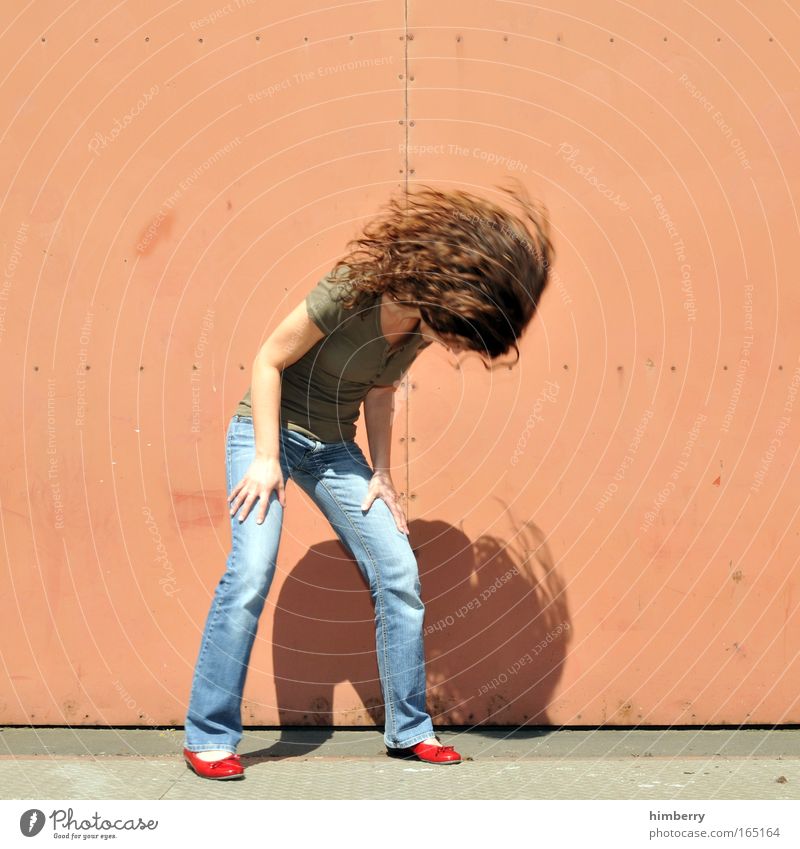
x=215 y=604
x=233 y=556
x=379 y=594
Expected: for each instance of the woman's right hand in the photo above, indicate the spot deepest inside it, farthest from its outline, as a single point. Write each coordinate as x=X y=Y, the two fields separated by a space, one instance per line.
x=263 y=475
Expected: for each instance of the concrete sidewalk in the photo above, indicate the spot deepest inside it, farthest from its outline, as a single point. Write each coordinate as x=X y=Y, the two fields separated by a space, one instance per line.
x=321 y=763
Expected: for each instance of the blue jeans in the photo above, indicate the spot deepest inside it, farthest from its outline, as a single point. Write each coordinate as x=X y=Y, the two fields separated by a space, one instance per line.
x=335 y=475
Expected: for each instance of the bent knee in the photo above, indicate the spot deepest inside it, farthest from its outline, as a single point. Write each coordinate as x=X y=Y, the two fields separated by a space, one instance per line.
x=250 y=570
x=406 y=591
x=246 y=590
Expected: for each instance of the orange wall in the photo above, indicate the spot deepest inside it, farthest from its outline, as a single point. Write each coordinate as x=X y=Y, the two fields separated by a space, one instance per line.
x=607 y=532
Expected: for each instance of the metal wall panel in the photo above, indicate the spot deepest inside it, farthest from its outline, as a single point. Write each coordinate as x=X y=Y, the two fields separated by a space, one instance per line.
x=626 y=472
x=607 y=532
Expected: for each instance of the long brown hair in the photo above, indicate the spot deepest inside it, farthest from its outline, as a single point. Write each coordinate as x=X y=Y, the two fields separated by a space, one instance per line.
x=475 y=270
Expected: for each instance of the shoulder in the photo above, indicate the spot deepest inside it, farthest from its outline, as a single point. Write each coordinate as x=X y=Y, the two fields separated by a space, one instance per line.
x=324 y=302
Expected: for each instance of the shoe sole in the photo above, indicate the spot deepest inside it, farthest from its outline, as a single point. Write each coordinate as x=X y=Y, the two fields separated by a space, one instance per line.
x=418 y=759
x=212 y=777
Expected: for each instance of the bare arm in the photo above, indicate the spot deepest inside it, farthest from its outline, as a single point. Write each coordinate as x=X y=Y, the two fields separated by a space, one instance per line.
x=378 y=414
x=292 y=338
x=295 y=335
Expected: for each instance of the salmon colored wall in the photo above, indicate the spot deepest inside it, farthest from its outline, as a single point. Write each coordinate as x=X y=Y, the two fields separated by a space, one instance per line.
x=607 y=532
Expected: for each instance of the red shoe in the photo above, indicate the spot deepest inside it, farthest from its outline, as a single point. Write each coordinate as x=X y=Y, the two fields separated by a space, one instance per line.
x=428 y=753
x=230 y=767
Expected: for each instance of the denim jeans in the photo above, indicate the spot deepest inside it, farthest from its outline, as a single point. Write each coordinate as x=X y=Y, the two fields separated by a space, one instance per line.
x=335 y=475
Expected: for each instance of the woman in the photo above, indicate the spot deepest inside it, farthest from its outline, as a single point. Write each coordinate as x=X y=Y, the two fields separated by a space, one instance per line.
x=438 y=266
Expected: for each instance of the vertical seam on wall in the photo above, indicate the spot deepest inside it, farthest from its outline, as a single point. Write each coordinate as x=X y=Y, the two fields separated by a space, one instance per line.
x=405 y=93
x=407 y=440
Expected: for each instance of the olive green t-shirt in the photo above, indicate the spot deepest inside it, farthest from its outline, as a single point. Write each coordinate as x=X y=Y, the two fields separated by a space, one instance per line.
x=321 y=393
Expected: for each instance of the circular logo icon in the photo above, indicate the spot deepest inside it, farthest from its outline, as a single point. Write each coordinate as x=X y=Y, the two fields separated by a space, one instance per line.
x=31 y=822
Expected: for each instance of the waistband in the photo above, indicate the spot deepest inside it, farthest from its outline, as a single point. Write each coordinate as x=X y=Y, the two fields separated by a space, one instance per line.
x=285 y=431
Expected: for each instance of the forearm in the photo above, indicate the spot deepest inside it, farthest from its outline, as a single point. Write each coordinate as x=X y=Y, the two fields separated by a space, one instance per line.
x=378 y=414
x=265 y=398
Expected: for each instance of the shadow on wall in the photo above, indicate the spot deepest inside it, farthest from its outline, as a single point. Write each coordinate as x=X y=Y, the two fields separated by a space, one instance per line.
x=496 y=632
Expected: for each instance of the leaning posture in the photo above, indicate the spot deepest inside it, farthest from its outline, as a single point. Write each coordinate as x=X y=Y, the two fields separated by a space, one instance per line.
x=435 y=266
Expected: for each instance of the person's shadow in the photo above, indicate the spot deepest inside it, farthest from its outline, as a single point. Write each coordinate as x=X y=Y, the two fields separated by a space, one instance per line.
x=496 y=634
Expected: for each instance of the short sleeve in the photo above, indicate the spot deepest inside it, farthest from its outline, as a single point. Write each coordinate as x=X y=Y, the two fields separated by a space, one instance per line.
x=323 y=303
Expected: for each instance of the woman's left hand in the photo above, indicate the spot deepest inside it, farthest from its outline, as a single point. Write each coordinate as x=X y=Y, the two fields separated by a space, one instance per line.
x=381 y=486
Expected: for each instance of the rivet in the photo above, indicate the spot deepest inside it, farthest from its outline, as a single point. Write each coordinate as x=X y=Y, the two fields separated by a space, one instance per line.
x=412 y=124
